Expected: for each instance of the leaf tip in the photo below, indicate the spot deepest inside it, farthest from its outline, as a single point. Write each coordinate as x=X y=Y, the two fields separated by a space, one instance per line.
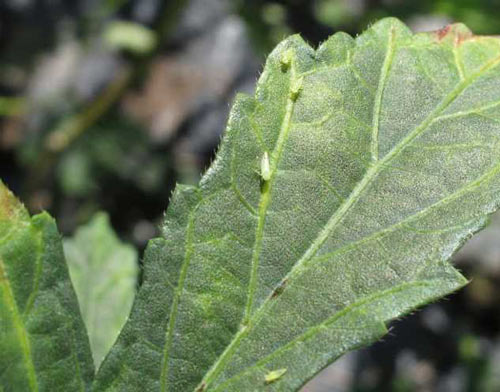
x=10 y=207
x=391 y=24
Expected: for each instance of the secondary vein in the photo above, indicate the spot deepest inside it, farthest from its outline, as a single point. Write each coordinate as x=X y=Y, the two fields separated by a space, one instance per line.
x=377 y=107
x=311 y=332
x=37 y=277
x=175 y=303
x=21 y=332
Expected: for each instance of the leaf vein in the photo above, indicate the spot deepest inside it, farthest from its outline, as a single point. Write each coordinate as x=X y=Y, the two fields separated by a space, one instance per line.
x=377 y=107
x=459 y=192
x=265 y=198
x=22 y=334
x=176 y=300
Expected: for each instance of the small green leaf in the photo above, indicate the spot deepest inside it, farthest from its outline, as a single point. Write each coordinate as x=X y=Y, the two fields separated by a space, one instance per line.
x=384 y=158
x=104 y=272
x=43 y=343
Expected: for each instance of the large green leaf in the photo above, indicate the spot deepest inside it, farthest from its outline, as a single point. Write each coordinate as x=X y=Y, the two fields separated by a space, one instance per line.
x=103 y=271
x=43 y=344
x=383 y=159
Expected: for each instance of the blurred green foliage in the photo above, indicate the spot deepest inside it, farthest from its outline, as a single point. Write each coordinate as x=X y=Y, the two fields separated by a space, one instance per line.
x=133 y=37
x=270 y=21
x=103 y=271
x=110 y=149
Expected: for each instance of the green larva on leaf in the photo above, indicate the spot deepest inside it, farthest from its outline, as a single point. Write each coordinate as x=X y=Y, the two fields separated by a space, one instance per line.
x=265 y=169
x=274 y=375
x=286 y=59
x=295 y=88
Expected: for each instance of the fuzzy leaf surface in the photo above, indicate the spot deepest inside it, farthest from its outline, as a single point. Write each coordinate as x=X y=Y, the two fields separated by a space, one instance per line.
x=104 y=273
x=43 y=343
x=383 y=158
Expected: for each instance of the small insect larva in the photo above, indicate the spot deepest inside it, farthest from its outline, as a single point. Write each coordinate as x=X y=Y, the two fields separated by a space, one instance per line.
x=286 y=59
x=274 y=375
x=265 y=168
x=296 y=88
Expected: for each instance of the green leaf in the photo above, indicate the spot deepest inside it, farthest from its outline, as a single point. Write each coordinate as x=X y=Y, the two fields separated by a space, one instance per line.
x=383 y=159
x=104 y=272
x=43 y=343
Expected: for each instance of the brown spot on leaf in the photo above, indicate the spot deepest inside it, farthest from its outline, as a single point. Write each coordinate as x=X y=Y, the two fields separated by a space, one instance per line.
x=461 y=38
x=201 y=388
x=2 y=272
x=10 y=207
x=441 y=33
x=457 y=32
x=278 y=290
x=6 y=206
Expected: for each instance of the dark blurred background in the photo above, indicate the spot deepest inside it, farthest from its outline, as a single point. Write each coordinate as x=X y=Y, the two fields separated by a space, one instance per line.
x=105 y=105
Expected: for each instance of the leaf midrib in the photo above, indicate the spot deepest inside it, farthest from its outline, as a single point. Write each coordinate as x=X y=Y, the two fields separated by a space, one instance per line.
x=376 y=168
x=265 y=198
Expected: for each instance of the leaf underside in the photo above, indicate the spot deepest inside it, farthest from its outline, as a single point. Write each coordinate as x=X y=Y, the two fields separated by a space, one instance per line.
x=43 y=343
x=382 y=160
